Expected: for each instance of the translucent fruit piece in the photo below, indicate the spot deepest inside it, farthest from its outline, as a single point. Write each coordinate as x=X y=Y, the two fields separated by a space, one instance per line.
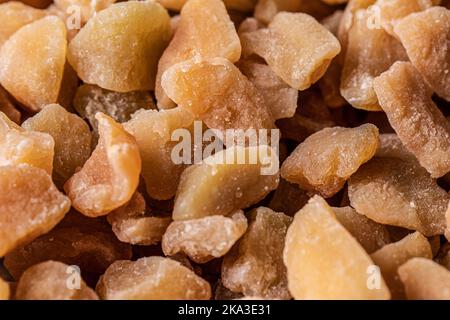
x=297 y=48
x=110 y=176
x=30 y=205
x=153 y=132
x=392 y=147
x=8 y=108
x=288 y=198
x=204 y=29
x=32 y=62
x=227 y=181
x=326 y=159
x=51 y=281
x=425 y=280
x=392 y=256
x=318 y=248
x=152 y=278
x=254 y=266
x=265 y=10
x=87 y=8
x=215 y=91
x=132 y=224
x=206 y=238
x=72 y=138
x=399 y=193
x=4 y=290
x=98 y=53
x=426 y=38
x=418 y=122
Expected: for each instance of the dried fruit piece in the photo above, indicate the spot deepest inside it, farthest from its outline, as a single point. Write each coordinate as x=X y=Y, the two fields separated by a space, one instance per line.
x=205 y=29
x=72 y=138
x=97 y=52
x=8 y=108
x=32 y=62
x=318 y=248
x=206 y=238
x=288 y=198
x=132 y=224
x=415 y=200
x=265 y=10
x=153 y=132
x=87 y=9
x=254 y=266
x=425 y=280
x=215 y=91
x=392 y=147
x=392 y=256
x=297 y=48
x=49 y=281
x=326 y=159
x=4 y=290
x=248 y=25
x=110 y=176
x=227 y=181
x=426 y=38
x=152 y=278
x=420 y=125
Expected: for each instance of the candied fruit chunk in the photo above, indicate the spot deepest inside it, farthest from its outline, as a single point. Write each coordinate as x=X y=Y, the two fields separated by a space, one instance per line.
x=223 y=183
x=72 y=138
x=297 y=48
x=254 y=266
x=118 y=49
x=399 y=193
x=152 y=278
x=110 y=176
x=153 y=132
x=425 y=280
x=205 y=29
x=32 y=62
x=8 y=108
x=206 y=238
x=288 y=198
x=51 y=280
x=131 y=223
x=318 y=248
x=426 y=38
x=216 y=92
x=392 y=256
x=326 y=159
x=265 y=10
x=4 y=290
x=420 y=125
x=87 y=8
x=30 y=205
x=392 y=147
x=174 y=5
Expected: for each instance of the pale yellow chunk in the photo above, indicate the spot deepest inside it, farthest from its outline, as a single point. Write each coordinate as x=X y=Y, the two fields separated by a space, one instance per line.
x=4 y=290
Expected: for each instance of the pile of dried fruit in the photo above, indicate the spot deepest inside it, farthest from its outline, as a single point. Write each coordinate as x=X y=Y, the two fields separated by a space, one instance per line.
x=93 y=204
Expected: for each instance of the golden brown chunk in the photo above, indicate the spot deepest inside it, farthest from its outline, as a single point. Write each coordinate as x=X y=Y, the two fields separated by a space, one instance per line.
x=418 y=122
x=4 y=290
x=205 y=29
x=152 y=278
x=399 y=193
x=72 y=138
x=318 y=248
x=119 y=49
x=326 y=159
x=8 y=108
x=30 y=205
x=227 y=181
x=288 y=198
x=392 y=147
x=426 y=38
x=53 y=280
x=87 y=8
x=32 y=62
x=175 y=5
x=297 y=48
x=206 y=238
x=255 y=265
x=110 y=176
x=132 y=224
x=392 y=256
x=425 y=280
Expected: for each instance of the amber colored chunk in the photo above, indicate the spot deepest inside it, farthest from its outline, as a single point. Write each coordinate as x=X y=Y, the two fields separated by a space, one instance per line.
x=72 y=138
x=152 y=278
x=87 y=8
x=326 y=159
x=205 y=29
x=175 y=5
x=392 y=256
x=222 y=183
x=8 y=108
x=119 y=49
x=266 y=10
x=32 y=62
x=425 y=280
x=4 y=290
x=255 y=265
x=297 y=48
x=418 y=122
x=110 y=176
x=392 y=147
x=288 y=198
x=399 y=193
